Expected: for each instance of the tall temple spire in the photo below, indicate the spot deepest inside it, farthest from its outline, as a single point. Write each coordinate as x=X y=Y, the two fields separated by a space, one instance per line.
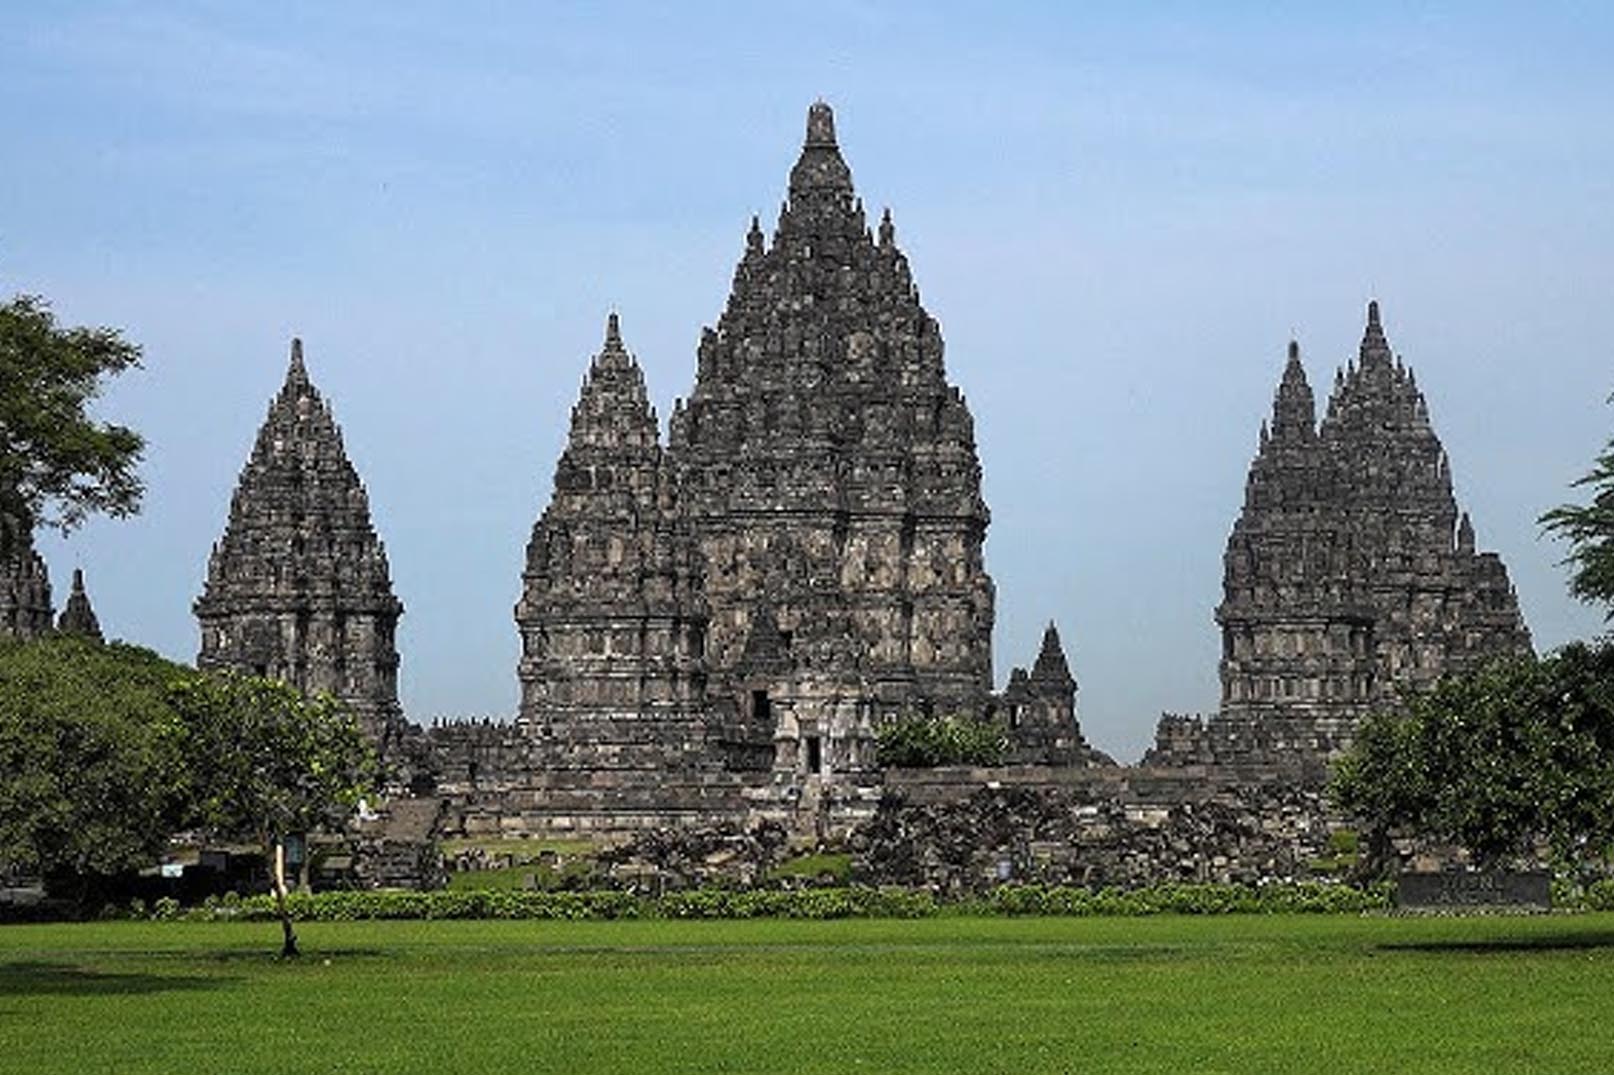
x=604 y=562
x=822 y=414
x=78 y=616
x=298 y=587
x=1342 y=534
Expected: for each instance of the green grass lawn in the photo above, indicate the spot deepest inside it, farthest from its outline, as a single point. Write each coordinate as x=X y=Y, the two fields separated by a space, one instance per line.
x=1237 y=994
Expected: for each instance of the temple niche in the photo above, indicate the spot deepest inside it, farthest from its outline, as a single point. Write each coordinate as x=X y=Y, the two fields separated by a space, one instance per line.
x=298 y=588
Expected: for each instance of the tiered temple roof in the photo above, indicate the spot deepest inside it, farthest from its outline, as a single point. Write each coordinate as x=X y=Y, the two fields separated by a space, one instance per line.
x=827 y=467
x=298 y=587
x=610 y=616
x=78 y=615
x=1350 y=574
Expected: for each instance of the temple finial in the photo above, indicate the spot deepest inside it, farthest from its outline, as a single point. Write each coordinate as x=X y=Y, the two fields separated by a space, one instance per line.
x=820 y=124
x=613 y=332
x=297 y=380
x=1375 y=348
x=1294 y=350
x=888 y=230
x=753 y=238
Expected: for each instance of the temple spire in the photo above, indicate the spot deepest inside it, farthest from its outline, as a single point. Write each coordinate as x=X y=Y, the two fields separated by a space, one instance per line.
x=612 y=405
x=1294 y=410
x=298 y=588
x=820 y=173
x=1051 y=666
x=1375 y=348
x=78 y=616
x=296 y=372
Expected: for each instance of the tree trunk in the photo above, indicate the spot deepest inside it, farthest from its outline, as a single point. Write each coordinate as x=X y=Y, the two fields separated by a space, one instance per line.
x=288 y=947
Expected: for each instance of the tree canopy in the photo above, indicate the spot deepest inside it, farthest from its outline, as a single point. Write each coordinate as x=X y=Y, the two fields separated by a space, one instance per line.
x=58 y=464
x=1493 y=761
x=93 y=773
x=272 y=763
x=107 y=750
x=1589 y=528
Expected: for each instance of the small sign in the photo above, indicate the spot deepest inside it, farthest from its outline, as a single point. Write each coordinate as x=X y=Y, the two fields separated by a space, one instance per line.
x=1454 y=890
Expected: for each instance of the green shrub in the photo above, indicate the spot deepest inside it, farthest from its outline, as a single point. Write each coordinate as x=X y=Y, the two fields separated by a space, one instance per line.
x=915 y=741
x=835 y=865
x=1295 y=897
x=854 y=901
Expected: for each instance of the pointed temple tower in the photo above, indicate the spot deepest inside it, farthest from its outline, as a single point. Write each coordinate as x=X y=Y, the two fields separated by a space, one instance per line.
x=611 y=622
x=1350 y=574
x=78 y=616
x=1040 y=710
x=801 y=559
x=25 y=601
x=298 y=587
x=829 y=475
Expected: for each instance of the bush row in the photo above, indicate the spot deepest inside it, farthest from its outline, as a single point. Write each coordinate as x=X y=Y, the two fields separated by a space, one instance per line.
x=817 y=903
x=1296 y=897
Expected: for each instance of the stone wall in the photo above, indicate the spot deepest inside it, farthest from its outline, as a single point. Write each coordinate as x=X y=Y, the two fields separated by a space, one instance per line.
x=963 y=830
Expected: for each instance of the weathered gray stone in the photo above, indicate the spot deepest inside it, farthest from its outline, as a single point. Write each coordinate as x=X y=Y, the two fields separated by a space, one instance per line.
x=78 y=616
x=25 y=603
x=298 y=587
x=1350 y=574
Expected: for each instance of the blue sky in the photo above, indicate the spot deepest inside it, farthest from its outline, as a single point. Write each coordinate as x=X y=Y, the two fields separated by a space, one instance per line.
x=1119 y=213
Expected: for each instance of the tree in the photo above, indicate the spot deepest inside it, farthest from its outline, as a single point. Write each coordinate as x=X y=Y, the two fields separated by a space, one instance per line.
x=1519 y=751
x=93 y=773
x=1589 y=529
x=57 y=463
x=271 y=763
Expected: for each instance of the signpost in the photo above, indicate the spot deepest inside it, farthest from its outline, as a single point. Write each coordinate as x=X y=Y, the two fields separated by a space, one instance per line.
x=1456 y=891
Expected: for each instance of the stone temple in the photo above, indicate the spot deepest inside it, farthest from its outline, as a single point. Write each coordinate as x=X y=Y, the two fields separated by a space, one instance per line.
x=298 y=587
x=716 y=618
x=718 y=623
x=25 y=600
x=1350 y=575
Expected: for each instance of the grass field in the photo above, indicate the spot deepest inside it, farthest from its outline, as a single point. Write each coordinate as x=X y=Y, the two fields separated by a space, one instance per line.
x=1171 y=994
